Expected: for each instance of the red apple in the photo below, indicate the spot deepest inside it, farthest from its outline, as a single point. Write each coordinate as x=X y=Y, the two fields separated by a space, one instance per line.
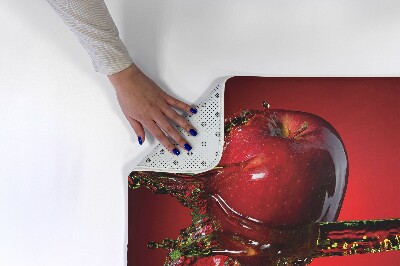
x=280 y=168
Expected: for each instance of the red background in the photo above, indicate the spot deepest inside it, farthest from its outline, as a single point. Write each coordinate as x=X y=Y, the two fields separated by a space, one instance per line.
x=365 y=112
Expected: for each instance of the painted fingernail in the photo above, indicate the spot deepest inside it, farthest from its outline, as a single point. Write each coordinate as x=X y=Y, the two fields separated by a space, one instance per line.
x=187 y=147
x=193 y=132
x=176 y=151
x=194 y=111
x=140 y=140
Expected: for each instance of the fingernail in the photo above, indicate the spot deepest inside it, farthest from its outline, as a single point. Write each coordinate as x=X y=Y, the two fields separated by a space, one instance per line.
x=176 y=151
x=194 y=111
x=140 y=140
x=187 y=147
x=193 y=132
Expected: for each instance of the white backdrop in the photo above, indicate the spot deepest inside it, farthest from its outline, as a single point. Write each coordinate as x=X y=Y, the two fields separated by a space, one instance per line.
x=65 y=146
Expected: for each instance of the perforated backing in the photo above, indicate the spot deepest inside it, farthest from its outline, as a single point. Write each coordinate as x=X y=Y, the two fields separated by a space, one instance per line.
x=206 y=146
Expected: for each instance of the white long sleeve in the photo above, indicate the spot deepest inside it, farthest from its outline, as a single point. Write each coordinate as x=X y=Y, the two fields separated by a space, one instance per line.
x=91 y=22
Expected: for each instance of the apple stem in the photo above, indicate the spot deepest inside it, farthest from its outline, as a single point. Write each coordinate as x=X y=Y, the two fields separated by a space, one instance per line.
x=301 y=129
x=266 y=105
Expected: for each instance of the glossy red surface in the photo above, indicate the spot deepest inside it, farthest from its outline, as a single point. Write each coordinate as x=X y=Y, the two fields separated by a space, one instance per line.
x=280 y=180
x=364 y=111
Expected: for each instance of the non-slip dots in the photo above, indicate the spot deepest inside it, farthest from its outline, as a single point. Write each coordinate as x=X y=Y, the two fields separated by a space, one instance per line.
x=206 y=146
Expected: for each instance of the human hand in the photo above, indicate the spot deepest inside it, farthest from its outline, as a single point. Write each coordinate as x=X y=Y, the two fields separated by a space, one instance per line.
x=145 y=104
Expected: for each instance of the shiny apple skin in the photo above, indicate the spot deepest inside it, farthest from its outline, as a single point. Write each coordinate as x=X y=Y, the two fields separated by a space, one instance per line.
x=274 y=181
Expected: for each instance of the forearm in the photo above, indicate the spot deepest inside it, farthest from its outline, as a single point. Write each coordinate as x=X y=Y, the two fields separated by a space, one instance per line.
x=95 y=29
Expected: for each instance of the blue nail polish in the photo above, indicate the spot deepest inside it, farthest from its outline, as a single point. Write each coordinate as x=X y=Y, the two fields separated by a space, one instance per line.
x=194 y=111
x=193 y=132
x=176 y=151
x=187 y=147
x=140 y=140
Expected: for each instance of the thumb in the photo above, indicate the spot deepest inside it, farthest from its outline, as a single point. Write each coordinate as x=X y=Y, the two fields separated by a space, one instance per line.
x=138 y=128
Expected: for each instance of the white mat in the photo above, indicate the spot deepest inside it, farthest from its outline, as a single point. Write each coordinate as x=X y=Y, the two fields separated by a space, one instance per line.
x=207 y=145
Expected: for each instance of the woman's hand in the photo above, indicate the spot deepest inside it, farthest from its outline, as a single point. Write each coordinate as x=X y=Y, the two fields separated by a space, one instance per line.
x=145 y=104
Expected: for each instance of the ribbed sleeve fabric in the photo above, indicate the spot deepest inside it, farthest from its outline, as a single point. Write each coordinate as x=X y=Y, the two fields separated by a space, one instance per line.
x=95 y=29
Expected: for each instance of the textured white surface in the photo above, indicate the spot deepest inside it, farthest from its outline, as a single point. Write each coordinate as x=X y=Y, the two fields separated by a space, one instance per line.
x=207 y=146
x=65 y=147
